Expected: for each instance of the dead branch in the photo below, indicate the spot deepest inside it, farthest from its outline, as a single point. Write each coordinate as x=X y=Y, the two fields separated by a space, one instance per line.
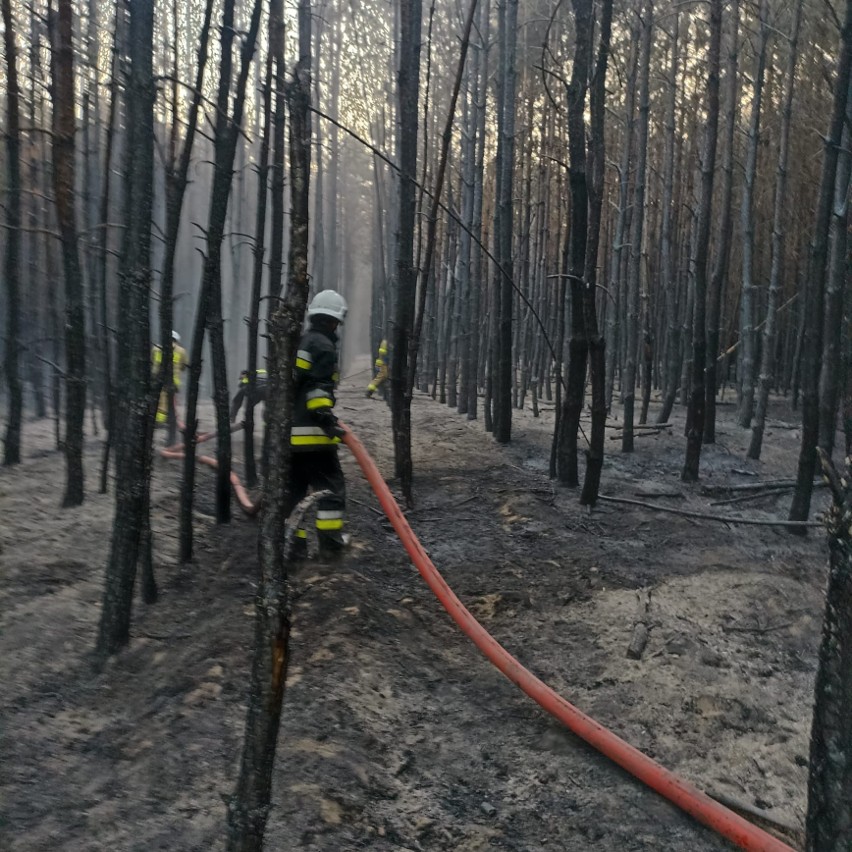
x=641 y=630
x=757 y=522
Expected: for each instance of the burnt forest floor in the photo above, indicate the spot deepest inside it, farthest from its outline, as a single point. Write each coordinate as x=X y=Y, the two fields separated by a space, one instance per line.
x=396 y=733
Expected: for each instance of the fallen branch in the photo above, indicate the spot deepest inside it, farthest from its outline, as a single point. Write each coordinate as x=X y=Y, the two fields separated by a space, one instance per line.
x=640 y=627
x=754 y=495
x=784 y=830
x=757 y=522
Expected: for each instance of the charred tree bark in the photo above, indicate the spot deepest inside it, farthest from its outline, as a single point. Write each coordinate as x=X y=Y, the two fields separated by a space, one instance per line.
x=578 y=347
x=813 y=294
x=249 y=806
x=134 y=412
x=695 y=433
x=437 y=192
x=829 y=823
x=767 y=357
x=62 y=94
x=597 y=344
x=12 y=440
x=257 y=273
x=407 y=92
x=637 y=234
x=747 y=296
x=836 y=280
x=210 y=300
x=719 y=276
x=505 y=166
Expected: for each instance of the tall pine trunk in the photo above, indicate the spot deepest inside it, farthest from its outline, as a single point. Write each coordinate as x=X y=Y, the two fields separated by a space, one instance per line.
x=695 y=415
x=134 y=412
x=63 y=129
x=12 y=441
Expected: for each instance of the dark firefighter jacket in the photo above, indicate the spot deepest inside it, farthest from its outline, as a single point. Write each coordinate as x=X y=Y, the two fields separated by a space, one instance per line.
x=316 y=375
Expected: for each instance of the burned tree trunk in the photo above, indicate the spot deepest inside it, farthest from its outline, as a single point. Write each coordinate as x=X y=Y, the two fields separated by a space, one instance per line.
x=409 y=84
x=695 y=432
x=829 y=819
x=62 y=94
x=210 y=300
x=257 y=273
x=12 y=441
x=814 y=292
x=719 y=276
x=134 y=413
x=767 y=357
x=249 y=807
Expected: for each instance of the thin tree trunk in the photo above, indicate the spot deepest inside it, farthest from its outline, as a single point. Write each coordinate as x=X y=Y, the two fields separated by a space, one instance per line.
x=837 y=278
x=828 y=824
x=134 y=411
x=747 y=306
x=767 y=358
x=248 y=808
x=719 y=277
x=209 y=302
x=63 y=128
x=637 y=234
x=695 y=433
x=813 y=293
x=12 y=441
x=408 y=88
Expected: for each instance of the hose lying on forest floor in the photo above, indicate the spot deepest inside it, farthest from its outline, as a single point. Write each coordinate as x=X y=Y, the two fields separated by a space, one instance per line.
x=176 y=451
x=687 y=797
x=681 y=793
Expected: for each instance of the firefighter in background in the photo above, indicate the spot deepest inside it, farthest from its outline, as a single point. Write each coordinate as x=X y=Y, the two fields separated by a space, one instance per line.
x=166 y=406
x=251 y=396
x=316 y=432
x=381 y=370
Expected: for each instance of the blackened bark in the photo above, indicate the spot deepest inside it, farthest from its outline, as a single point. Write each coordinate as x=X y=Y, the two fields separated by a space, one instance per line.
x=437 y=191
x=210 y=300
x=134 y=413
x=814 y=290
x=578 y=347
x=62 y=94
x=12 y=441
x=407 y=91
x=695 y=432
x=828 y=824
x=628 y=385
x=503 y=294
x=177 y=180
x=719 y=276
x=249 y=807
x=746 y=370
x=257 y=274
x=767 y=357
x=836 y=279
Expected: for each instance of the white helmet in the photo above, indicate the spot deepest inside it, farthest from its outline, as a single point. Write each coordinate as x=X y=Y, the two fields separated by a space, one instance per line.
x=175 y=336
x=328 y=303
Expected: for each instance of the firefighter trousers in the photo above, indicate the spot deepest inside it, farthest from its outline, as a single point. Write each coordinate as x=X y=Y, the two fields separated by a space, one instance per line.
x=319 y=471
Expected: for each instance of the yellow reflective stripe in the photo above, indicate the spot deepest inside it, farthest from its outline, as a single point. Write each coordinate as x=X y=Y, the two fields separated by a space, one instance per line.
x=301 y=533
x=312 y=440
x=372 y=387
x=321 y=402
x=335 y=377
x=379 y=362
x=302 y=364
x=330 y=525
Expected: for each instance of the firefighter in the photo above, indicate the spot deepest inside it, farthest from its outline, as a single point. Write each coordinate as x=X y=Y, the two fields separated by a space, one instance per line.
x=381 y=370
x=180 y=362
x=251 y=396
x=316 y=432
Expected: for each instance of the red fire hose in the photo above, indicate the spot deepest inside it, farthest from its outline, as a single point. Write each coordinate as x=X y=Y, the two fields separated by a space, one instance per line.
x=690 y=799
x=681 y=793
x=176 y=451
